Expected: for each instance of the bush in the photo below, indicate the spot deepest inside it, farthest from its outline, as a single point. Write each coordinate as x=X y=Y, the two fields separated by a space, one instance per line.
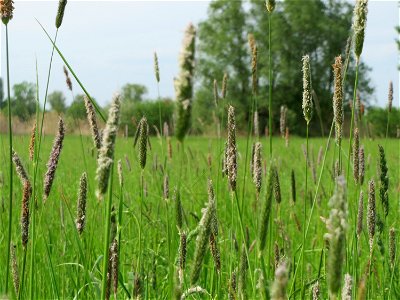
x=132 y=112
x=377 y=119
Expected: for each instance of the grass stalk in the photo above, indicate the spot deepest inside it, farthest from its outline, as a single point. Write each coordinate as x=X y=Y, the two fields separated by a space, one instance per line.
x=10 y=146
x=270 y=85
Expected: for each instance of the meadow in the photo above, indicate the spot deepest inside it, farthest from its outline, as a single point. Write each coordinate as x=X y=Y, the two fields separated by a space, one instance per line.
x=68 y=265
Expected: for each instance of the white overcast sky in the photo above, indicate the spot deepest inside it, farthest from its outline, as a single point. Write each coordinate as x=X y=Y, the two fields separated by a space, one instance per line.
x=110 y=43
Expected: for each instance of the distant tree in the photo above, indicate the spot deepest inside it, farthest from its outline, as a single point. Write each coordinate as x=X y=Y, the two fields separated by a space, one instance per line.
x=132 y=92
x=57 y=101
x=23 y=102
x=77 y=108
x=222 y=47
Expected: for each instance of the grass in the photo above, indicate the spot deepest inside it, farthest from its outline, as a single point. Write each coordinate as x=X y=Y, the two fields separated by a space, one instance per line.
x=58 y=275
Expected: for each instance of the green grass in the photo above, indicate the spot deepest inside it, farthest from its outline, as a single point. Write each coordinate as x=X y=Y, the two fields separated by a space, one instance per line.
x=67 y=265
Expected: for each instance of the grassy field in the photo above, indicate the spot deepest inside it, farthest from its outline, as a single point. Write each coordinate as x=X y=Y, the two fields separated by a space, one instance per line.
x=68 y=266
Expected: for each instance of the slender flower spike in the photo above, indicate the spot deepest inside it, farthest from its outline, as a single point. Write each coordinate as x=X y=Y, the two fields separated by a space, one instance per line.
x=282 y=120
x=120 y=174
x=307 y=98
x=359 y=25
x=360 y=215
x=347 y=288
x=390 y=96
x=32 y=142
x=270 y=4
x=384 y=181
x=371 y=218
x=81 y=206
x=14 y=268
x=278 y=289
x=216 y=96
x=156 y=67
x=392 y=246
x=266 y=211
x=336 y=225
x=224 y=85
x=184 y=83
x=6 y=10
x=106 y=153
x=254 y=52
x=53 y=160
x=257 y=167
x=19 y=168
x=356 y=152
x=338 y=99
x=60 y=12
x=67 y=79
x=231 y=155
x=26 y=195
x=91 y=116
x=143 y=136
x=361 y=162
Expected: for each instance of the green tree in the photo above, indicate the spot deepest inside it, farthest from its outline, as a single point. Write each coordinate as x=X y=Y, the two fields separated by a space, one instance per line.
x=57 y=101
x=318 y=28
x=77 y=109
x=23 y=101
x=222 y=47
x=132 y=92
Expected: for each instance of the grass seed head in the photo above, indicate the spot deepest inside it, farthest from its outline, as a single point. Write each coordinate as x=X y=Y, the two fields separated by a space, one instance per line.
x=91 y=116
x=390 y=96
x=371 y=211
x=360 y=214
x=156 y=67
x=257 y=167
x=53 y=159
x=392 y=246
x=361 y=162
x=26 y=195
x=254 y=53
x=106 y=153
x=19 y=168
x=231 y=153
x=338 y=99
x=224 y=85
x=81 y=205
x=282 y=120
x=143 y=139
x=266 y=211
x=347 y=288
x=293 y=186
x=270 y=5
x=14 y=268
x=383 y=180
x=60 y=12
x=316 y=290
x=166 y=187
x=356 y=152
x=359 y=25
x=6 y=10
x=277 y=186
x=307 y=98
x=278 y=289
x=32 y=142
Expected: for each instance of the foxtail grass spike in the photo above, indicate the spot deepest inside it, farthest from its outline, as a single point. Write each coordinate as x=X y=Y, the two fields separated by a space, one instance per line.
x=278 y=289
x=356 y=157
x=270 y=5
x=361 y=162
x=14 y=268
x=243 y=266
x=106 y=152
x=266 y=211
x=257 y=167
x=178 y=210
x=156 y=67
x=316 y=290
x=307 y=96
x=32 y=142
x=282 y=120
x=143 y=138
x=6 y=10
x=81 y=205
x=359 y=25
x=68 y=79
x=383 y=181
x=392 y=246
x=336 y=225
x=390 y=96
x=114 y=265
x=120 y=173
x=26 y=195
x=347 y=288
x=19 y=168
x=91 y=116
x=166 y=187
x=60 y=12
x=202 y=239
x=256 y=124
x=184 y=83
x=371 y=211
x=254 y=53
x=360 y=214
x=277 y=186
x=338 y=99
x=231 y=154
x=53 y=160
x=224 y=86
x=293 y=186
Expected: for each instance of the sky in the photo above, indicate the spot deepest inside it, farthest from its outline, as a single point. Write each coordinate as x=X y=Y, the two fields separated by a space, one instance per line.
x=111 y=43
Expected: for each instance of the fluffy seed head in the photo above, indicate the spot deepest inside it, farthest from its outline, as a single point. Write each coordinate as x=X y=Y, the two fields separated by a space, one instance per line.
x=143 y=139
x=81 y=204
x=114 y=265
x=256 y=124
x=178 y=210
x=53 y=160
x=6 y=10
x=156 y=67
x=371 y=211
x=278 y=289
x=282 y=120
x=184 y=83
x=359 y=25
x=316 y=290
x=390 y=96
x=270 y=5
x=254 y=53
x=392 y=246
x=347 y=288
x=19 y=168
x=277 y=186
x=307 y=98
x=336 y=225
x=243 y=266
x=361 y=162
x=257 y=167
x=32 y=142
x=383 y=181
x=91 y=116
x=26 y=195
x=266 y=211
x=166 y=187
x=60 y=12
x=67 y=79
x=106 y=152
x=224 y=85
x=338 y=99
x=14 y=268
x=231 y=154
x=356 y=152
x=120 y=174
